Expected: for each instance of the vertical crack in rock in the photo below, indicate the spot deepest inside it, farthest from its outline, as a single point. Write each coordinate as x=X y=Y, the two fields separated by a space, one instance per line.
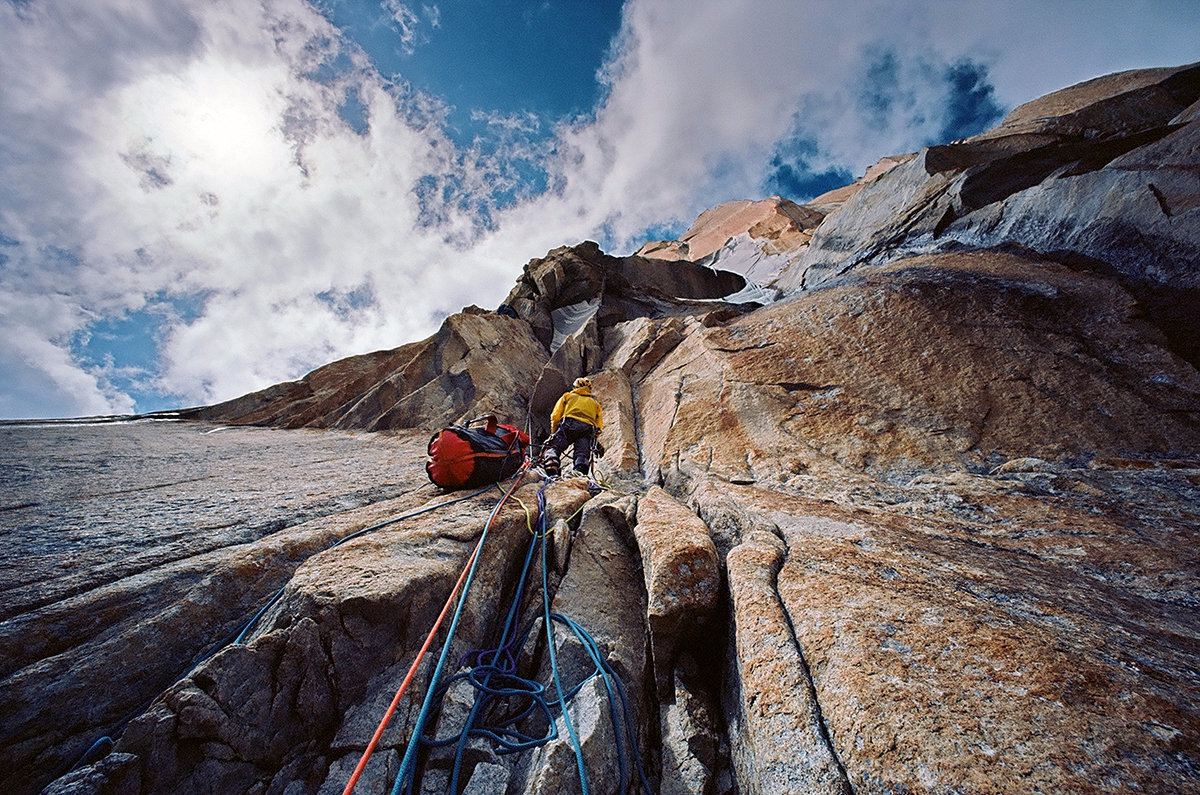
x=784 y=747
x=822 y=724
x=602 y=590
x=671 y=424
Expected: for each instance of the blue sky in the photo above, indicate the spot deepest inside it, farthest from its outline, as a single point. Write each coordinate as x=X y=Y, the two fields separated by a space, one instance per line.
x=199 y=199
x=507 y=57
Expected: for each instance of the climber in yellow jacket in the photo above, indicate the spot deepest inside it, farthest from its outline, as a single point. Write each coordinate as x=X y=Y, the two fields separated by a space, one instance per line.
x=577 y=419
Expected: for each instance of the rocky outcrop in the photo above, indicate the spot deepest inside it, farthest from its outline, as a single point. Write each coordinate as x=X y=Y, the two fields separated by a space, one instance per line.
x=477 y=363
x=683 y=577
x=927 y=524
x=1100 y=176
x=755 y=239
x=832 y=200
x=509 y=363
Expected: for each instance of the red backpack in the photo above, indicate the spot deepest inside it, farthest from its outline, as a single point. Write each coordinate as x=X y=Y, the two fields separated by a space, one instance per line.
x=465 y=457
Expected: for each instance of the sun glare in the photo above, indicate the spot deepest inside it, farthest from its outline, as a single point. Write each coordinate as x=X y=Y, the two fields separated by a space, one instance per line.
x=210 y=123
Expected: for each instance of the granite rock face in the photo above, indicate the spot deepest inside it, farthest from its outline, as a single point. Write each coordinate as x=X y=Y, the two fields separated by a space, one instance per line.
x=1100 y=176
x=756 y=239
x=477 y=363
x=682 y=573
x=928 y=523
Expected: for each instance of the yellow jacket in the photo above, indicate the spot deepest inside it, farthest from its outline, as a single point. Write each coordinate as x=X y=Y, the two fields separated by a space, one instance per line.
x=578 y=404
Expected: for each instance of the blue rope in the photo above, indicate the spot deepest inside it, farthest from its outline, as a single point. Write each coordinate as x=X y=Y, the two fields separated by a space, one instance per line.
x=549 y=627
x=408 y=763
x=101 y=747
x=493 y=675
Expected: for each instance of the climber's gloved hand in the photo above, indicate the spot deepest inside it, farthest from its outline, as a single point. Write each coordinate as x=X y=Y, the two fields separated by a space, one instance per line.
x=598 y=448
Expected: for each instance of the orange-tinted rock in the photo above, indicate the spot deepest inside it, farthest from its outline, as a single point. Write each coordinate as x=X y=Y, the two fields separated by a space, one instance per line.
x=682 y=574
x=754 y=238
x=777 y=738
x=955 y=360
x=619 y=435
x=832 y=200
x=985 y=644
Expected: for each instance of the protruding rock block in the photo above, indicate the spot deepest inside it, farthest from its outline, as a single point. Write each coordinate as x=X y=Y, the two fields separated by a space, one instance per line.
x=636 y=346
x=682 y=573
x=776 y=735
x=693 y=748
x=619 y=436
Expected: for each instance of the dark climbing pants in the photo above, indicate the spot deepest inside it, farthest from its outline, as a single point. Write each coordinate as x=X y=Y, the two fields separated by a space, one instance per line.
x=580 y=434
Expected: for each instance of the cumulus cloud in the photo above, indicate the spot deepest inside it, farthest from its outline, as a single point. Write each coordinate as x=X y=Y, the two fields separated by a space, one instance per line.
x=202 y=167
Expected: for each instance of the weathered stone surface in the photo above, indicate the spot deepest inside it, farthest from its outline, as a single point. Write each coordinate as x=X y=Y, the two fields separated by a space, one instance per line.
x=636 y=346
x=952 y=496
x=1017 y=661
x=1118 y=103
x=602 y=592
x=961 y=360
x=477 y=363
x=1132 y=220
x=833 y=200
x=1095 y=187
x=554 y=768
x=619 y=436
x=116 y=773
x=174 y=536
x=682 y=573
x=694 y=751
x=377 y=776
x=755 y=239
x=779 y=743
x=348 y=612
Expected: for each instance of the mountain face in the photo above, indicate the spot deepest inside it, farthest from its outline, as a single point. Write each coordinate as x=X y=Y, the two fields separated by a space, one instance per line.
x=903 y=496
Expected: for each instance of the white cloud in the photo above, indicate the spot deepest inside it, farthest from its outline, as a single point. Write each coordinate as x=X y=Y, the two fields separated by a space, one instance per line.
x=406 y=23
x=154 y=151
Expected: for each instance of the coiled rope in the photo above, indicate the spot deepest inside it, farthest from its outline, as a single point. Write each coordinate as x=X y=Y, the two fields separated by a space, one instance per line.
x=463 y=584
x=492 y=673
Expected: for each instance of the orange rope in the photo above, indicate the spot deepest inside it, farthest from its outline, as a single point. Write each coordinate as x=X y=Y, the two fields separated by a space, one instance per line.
x=387 y=716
